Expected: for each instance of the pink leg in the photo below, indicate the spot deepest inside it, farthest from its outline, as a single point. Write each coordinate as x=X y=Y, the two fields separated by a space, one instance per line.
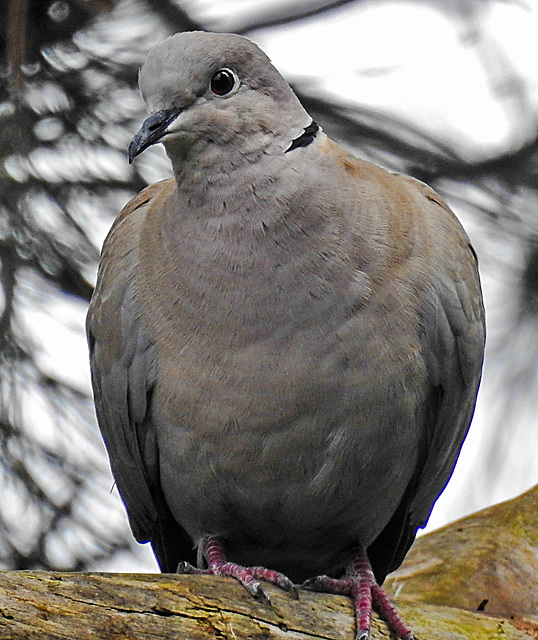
x=360 y=583
x=249 y=577
x=362 y=593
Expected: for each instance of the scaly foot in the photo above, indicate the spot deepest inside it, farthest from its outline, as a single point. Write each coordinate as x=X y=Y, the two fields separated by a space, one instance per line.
x=360 y=584
x=249 y=577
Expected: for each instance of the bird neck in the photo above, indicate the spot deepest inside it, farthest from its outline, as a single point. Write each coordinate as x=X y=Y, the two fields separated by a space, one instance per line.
x=239 y=189
x=253 y=218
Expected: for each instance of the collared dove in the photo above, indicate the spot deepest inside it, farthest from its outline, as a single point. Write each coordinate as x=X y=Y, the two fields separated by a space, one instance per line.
x=286 y=342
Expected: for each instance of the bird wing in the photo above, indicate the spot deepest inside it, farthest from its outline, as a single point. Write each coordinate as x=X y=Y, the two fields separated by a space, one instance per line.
x=124 y=364
x=453 y=335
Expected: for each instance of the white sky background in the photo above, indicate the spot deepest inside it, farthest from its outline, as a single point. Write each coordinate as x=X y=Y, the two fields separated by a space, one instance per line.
x=406 y=60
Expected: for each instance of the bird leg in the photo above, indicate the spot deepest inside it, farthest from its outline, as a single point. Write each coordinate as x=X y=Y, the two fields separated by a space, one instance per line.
x=249 y=577
x=360 y=584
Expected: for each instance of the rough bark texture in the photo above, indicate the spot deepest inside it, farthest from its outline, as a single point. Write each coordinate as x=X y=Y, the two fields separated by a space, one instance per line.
x=487 y=560
x=83 y=606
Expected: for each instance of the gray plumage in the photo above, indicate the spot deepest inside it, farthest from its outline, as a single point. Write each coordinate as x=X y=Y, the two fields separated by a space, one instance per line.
x=285 y=345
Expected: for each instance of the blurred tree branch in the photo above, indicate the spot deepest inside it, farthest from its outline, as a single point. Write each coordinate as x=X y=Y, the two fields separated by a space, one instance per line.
x=16 y=40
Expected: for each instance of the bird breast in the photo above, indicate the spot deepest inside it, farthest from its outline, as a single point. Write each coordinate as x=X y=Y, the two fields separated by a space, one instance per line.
x=278 y=392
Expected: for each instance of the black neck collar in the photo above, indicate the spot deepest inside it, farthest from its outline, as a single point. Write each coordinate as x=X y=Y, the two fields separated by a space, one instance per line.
x=305 y=138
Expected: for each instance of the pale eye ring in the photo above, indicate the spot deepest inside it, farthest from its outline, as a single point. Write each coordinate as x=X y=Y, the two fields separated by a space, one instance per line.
x=223 y=82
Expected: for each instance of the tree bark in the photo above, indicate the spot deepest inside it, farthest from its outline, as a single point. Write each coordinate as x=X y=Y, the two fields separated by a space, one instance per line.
x=84 y=606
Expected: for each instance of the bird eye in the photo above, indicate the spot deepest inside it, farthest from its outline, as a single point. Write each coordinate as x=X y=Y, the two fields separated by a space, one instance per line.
x=222 y=82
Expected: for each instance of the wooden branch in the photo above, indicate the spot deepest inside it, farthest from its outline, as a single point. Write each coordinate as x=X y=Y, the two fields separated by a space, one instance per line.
x=486 y=561
x=84 y=606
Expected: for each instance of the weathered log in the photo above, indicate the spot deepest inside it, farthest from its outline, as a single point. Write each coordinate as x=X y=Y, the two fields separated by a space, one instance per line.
x=84 y=606
x=486 y=561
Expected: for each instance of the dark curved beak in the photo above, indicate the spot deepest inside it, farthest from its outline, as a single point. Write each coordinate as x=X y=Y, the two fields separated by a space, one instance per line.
x=152 y=130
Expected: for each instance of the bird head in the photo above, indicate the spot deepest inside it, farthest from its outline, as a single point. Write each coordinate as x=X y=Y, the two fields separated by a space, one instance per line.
x=207 y=89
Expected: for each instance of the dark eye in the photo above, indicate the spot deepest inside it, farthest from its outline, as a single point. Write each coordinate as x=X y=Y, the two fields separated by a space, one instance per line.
x=222 y=82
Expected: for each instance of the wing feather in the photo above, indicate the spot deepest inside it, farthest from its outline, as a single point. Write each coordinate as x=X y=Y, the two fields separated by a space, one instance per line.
x=453 y=336
x=123 y=362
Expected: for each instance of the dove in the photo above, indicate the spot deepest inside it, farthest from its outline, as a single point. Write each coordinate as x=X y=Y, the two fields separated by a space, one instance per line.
x=286 y=342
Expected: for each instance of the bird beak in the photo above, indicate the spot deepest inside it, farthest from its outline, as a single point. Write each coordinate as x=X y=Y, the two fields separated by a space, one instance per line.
x=151 y=131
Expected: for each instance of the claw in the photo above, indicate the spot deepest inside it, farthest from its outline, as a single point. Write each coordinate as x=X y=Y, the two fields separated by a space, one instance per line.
x=187 y=568
x=293 y=592
x=276 y=578
x=256 y=591
x=249 y=577
x=360 y=584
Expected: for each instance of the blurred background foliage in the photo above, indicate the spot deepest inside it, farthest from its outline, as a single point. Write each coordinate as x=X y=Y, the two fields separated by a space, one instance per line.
x=69 y=105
